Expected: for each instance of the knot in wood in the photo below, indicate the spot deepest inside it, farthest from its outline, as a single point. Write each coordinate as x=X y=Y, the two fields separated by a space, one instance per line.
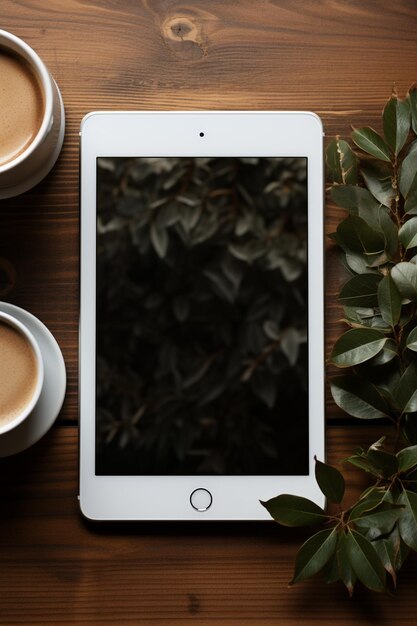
x=183 y=28
x=184 y=37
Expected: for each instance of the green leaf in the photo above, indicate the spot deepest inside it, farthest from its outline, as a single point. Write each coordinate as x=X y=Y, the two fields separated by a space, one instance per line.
x=380 y=221
x=342 y=162
x=396 y=122
x=356 y=346
x=271 y=330
x=398 y=548
x=365 y=561
x=409 y=429
x=390 y=231
x=368 y=140
x=405 y=317
x=372 y=490
x=353 y=198
x=353 y=233
x=378 y=445
x=362 y=290
x=404 y=276
x=412 y=99
x=314 y=554
x=330 y=481
x=407 y=180
x=410 y=205
x=388 y=352
x=159 y=238
x=385 y=379
x=406 y=391
x=376 y=260
x=382 y=464
x=386 y=462
x=358 y=263
x=331 y=570
x=412 y=340
x=181 y=308
x=294 y=511
x=408 y=232
x=265 y=387
x=221 y=286
x=357 y=314
x=366 y=504
x=407 y=458
x=290 y=345
x=366 y=317
x=347 y=575
x=361 y=462
x=333 y=162
x=402 y=551
x=249 y=251
x=358 y=397
x=379 y=183
x=380 y=520
x=373 y=214
x=386 y=553
x=407 y=524
x=389 y=301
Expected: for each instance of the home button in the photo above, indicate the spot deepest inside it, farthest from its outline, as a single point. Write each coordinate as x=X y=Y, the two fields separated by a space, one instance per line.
x=201 y=499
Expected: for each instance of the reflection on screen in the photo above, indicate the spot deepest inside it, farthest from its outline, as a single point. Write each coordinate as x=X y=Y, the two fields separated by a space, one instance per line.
x=202 y=316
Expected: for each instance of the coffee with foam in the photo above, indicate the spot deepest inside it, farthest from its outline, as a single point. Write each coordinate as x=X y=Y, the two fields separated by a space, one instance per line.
x=21 y=106
x=18 y=373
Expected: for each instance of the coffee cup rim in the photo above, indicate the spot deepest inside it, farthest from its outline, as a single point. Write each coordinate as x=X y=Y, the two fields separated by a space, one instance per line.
x=15 y=44
x=12 y=321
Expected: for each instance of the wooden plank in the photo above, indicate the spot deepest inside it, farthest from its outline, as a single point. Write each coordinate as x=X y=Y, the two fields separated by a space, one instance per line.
x=55 y=568
x=337 y=58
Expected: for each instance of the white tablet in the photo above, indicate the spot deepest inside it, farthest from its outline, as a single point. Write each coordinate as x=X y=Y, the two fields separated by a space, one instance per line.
x=201 y=326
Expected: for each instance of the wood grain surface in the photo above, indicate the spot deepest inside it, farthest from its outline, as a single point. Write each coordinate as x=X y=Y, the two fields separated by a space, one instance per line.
x=337 y=58
x=56 y=568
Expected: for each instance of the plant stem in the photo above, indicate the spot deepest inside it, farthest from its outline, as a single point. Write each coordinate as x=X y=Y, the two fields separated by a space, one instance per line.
x=398 y=434
x=396 y=209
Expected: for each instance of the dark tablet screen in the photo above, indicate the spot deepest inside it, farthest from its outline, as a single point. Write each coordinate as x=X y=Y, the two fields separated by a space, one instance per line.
x=201 y=319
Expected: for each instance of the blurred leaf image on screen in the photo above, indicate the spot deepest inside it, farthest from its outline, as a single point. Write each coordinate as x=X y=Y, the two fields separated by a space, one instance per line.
x=202 y=316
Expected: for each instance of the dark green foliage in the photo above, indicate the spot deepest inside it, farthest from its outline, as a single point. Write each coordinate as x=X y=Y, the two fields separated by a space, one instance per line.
x=294 y=511
x=396 y=122
x=218 y=244
x=376 y=187
x=357 y=346
x=358 y=397
x=330 y=481
x=342 y=162
x=314 y=554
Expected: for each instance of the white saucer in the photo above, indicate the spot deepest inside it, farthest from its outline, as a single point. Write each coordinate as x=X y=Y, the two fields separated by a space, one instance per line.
x=52 y=395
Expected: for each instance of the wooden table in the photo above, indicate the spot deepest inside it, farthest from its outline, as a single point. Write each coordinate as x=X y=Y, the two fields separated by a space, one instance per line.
x=337 y=58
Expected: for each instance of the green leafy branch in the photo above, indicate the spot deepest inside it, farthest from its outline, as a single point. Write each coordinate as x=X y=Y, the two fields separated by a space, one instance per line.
x=366 y=540
x=375 y=182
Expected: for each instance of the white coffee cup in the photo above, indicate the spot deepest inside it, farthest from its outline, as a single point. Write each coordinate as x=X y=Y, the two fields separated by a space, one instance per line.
x=15 y=409
x=32 y=165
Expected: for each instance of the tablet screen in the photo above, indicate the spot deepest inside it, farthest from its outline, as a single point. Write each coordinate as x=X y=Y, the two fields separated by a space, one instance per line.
x=201 y=316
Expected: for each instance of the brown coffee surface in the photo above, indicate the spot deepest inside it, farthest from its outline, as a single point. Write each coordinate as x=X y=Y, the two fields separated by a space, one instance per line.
x=18 y=373
x=21 y=106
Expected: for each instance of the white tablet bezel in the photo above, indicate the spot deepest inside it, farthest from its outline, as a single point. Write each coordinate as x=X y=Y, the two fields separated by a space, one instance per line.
x=234 y=133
